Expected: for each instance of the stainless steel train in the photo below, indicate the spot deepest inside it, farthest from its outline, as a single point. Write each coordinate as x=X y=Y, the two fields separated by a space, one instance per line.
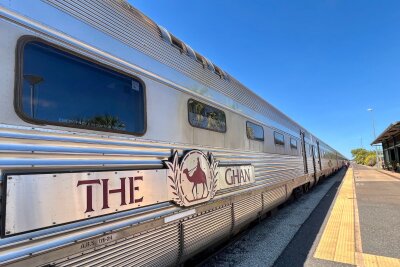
x=120 y=145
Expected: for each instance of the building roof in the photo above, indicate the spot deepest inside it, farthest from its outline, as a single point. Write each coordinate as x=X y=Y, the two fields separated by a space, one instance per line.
x=392 y=130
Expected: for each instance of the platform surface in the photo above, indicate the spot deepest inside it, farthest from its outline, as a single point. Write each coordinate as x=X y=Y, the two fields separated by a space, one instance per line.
x=363 y=226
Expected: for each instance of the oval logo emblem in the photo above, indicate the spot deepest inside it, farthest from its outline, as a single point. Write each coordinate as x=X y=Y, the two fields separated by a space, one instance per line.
x=193 y=179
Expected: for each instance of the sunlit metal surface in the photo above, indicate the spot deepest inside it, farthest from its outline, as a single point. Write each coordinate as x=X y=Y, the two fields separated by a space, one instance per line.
x=112 y=33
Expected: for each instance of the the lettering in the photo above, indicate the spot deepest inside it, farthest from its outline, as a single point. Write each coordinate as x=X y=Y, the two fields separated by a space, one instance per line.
x=133 y=189
x=89 y=192
x=107 y=192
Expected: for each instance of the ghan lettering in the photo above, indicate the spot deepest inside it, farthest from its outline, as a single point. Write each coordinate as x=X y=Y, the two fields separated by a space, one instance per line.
x=106 y=191
x=238 y=176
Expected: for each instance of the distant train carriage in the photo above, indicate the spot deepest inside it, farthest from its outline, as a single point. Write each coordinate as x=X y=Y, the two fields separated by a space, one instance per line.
x=121 y=145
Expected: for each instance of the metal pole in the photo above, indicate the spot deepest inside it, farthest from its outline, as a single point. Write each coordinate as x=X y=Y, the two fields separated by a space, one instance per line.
x=33 y=80
x=373 y=129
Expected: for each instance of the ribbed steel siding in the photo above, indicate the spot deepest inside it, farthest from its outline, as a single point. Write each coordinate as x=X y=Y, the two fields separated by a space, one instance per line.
x=273 y=168
x=325 y=164
x=310 y=165
x=269 y=168
x=126 y=24
x=27 y=147
x=155 y=248
x=246 y=210
x=274 y=197
x=41 y=148
x=201 y=231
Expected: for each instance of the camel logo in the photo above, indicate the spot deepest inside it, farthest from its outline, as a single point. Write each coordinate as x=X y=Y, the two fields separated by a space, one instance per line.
x=193 y=179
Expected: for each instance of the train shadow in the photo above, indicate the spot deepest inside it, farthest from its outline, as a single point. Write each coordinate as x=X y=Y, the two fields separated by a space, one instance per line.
x=301 y=246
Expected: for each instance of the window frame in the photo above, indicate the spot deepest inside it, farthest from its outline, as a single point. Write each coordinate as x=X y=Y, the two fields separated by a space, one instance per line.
x=291 y=146
x=195 y=126
x=279 y=143
x=22 y=41
x=255 y=139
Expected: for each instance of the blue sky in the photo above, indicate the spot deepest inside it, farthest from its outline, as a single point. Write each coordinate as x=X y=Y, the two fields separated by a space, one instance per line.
x=321 y=62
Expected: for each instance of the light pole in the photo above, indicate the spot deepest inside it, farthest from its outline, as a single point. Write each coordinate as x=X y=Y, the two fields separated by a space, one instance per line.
x=33 y=80
x=373 y=128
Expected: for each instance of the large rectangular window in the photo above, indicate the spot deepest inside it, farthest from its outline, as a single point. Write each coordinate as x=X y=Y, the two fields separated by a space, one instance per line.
x=57 y=87
x=206 y=117
x=254 y=131
x=279 y=138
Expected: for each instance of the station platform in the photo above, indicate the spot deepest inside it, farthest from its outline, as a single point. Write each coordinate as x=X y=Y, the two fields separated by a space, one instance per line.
x=363 y=225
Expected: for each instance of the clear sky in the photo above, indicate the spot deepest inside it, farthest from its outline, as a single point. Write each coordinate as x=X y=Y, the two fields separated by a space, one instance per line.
x=321 y=62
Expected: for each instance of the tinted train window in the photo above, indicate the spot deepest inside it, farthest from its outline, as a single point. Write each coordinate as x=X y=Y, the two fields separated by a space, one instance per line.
x=254 y=131
x=279 y=139
x=293 y=143
x=206 y=117
x=63 y=89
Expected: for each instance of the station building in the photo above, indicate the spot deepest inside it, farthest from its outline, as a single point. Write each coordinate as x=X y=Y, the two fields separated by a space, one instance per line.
x=390 y=140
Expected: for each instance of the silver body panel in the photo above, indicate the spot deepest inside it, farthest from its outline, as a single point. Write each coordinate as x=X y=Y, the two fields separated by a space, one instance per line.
x=28 y=206
x=113 y=33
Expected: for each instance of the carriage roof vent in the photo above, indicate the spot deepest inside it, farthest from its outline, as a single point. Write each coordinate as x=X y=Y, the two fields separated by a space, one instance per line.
x=178 y=44
x=190 y=52
x=165 y=34
x=186 y=49
x=210 y=65
x=220 y=72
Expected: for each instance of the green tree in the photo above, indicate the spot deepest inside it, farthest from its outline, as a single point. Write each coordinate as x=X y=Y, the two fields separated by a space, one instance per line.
x=106 y=121
x=363 y=156
x=370 y=160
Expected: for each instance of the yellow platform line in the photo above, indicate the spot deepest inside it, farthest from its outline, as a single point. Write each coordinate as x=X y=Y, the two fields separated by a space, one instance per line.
x=341 y=240
x=374 y=260
x=337 y=242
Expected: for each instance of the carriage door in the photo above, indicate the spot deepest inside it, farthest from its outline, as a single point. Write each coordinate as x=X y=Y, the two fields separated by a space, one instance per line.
x=312 y=148
x=319 y=157
x=303 y=151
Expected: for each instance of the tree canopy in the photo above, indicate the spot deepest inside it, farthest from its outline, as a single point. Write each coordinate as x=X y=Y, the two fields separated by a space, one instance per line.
x=363 y=156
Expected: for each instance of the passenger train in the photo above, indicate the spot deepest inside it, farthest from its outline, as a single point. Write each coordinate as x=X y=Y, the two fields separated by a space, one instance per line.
x=123 y=146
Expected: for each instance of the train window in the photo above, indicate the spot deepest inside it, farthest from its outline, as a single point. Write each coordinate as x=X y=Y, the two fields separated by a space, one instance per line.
x=293 y=143
x=59 y=88
x=254 y=131
x=206 y=117
x=279 y=139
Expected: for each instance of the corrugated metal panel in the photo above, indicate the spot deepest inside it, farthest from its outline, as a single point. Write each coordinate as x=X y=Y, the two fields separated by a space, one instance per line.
x=325 y=164
x=41 y=148
x=155 y=248
x=310 y=165
x=273 y=197
x=201 y=231
x=128 y=25
x=246 y=210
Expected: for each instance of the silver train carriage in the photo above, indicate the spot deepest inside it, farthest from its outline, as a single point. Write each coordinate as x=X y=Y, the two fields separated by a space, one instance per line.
x=121 y=145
